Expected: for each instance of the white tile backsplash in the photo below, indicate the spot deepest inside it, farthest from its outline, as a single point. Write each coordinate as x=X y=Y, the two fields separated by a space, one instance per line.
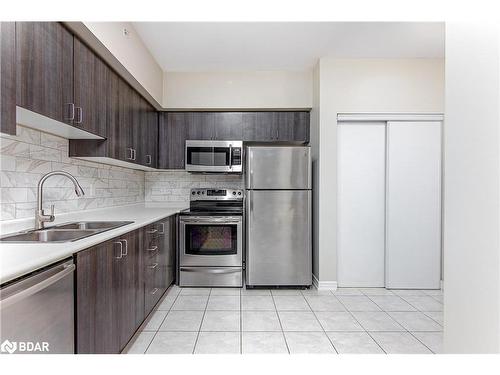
x=175 y=186
x=26 y=157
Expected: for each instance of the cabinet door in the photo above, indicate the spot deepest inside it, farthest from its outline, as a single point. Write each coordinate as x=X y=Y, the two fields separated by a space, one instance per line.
x=172 y=139
x=90 y=86
x=97 y=298
x=260 y=126
x=170 y=245
x=125 y=121
x=228 y=126
x=45 y=69
x=116 y=133
x=361 y=204
x=8 y=77
x=413 y=226
x=152 y=138
x=293 y=126
x=200 y=125
x=127 y=279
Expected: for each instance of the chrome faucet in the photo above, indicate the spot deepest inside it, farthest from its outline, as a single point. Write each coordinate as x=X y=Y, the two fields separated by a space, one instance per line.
x=40 y=217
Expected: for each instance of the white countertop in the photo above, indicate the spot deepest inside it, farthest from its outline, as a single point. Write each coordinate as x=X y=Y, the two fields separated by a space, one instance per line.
x=17 y=259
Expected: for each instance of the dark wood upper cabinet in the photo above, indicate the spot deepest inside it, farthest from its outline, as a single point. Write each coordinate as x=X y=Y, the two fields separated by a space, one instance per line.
x=172 y=133
x=228 y=126
x=8 y=77
x=45 y=69
x=90 y=87
x=151 y=137
x=200 y=125
x=293 y=126
x=260 y=126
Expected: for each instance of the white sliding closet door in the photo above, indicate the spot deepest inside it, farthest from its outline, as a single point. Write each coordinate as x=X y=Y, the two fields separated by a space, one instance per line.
x=361 y=204
x=413 y=211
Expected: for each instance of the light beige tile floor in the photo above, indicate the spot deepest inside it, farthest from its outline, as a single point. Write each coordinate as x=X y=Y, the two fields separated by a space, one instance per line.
x=348 y=320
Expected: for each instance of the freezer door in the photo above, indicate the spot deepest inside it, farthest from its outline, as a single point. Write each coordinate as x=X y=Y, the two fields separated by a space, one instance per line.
x=279 y=238
x=278 y=167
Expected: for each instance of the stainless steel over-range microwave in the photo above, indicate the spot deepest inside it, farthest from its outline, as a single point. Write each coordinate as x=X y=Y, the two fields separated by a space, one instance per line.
x=214 y=156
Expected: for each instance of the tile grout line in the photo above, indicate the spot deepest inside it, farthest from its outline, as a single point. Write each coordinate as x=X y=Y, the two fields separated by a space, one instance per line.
x=158 y=330
x=407 y=331
x=357 y=321
x=202 y=319
x=321 y=325
x=279 y=320
x=424 y=312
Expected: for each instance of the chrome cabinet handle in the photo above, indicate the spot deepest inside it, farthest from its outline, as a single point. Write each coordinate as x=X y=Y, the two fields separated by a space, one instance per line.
x=71 y=111
x=148 y=159
x=131 y=157
x=153 y=266
x=162 y=228
x=79 y=112
x=121 y=249
x=126 y=247
x=154 y=248
x=154 y=291
x=152 y=231
x=134 y=153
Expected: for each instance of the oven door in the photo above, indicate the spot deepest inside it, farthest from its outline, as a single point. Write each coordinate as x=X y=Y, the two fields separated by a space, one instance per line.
x=213 y=156
x=210 y=241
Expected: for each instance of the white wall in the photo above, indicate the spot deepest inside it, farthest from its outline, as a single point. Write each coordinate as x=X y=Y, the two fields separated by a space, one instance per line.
x=132 y=54
x=472 y=190
x=363 y=85
x=233 y=90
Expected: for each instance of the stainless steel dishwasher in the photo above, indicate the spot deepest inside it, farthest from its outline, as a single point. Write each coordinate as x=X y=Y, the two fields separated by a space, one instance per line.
x=37 y=312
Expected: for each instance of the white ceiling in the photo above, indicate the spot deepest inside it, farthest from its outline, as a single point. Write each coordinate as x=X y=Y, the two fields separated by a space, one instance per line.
x=236 y=46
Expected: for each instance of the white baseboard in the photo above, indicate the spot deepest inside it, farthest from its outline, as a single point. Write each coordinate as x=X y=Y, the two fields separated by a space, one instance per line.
x=324 y=285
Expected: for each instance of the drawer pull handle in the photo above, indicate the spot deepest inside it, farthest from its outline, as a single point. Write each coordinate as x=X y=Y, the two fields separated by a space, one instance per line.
x=152 y=231
x=153 y=266
x=154 y=291
x=154 y=248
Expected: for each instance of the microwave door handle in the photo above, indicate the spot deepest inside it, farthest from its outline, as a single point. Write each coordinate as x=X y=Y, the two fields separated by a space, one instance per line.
x=230 y=156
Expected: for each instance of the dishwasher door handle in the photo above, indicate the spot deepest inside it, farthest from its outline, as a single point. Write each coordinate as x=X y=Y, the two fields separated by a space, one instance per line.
x=25 y=293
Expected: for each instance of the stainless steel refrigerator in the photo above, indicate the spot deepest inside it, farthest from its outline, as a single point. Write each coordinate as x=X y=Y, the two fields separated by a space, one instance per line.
x=278 y=216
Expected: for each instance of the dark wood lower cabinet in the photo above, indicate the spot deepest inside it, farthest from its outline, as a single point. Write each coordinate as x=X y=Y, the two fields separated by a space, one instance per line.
x=159 y=260
x=118 y=283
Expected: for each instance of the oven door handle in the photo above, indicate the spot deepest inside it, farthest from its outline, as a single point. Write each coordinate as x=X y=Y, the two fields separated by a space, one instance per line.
x=210 y=270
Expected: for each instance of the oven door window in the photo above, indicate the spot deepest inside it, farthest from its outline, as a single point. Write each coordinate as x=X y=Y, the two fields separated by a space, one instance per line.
x=210 y=239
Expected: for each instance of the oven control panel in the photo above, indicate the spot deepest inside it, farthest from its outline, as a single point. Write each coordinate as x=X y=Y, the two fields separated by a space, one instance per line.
x=216 y=194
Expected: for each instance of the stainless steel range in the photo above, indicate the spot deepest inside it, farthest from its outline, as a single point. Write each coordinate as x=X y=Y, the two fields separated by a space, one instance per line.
x=211 y=239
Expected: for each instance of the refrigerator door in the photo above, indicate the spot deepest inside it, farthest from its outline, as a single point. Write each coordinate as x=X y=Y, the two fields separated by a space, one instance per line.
x=278 y=167
x=279 y=238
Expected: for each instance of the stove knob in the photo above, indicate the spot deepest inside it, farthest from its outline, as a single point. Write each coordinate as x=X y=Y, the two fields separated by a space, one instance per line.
x=193 y=193
x=203 y=193
x=239 y=192
x=234 y=193
x=198 y=193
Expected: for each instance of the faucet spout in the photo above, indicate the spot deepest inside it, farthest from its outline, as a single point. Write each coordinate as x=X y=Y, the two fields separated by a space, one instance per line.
x=40 y=217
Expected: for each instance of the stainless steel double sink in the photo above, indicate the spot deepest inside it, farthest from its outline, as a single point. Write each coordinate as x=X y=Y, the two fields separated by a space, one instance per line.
x=67 y=232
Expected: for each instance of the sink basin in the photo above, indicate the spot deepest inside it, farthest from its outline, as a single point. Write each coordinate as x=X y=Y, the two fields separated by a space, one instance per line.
x=93 y=225
x=65 y=232
x=49 y=235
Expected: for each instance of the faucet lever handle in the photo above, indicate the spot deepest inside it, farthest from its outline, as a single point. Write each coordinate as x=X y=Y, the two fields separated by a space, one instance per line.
x=51 y=210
